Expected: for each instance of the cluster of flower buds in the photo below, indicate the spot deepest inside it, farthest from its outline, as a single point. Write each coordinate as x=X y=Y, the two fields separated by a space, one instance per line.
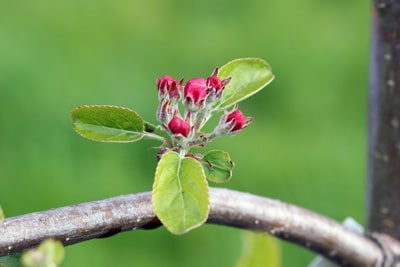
x=198 y=97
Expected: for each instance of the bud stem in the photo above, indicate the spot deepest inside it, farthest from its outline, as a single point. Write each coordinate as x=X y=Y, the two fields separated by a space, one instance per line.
x=156 y=137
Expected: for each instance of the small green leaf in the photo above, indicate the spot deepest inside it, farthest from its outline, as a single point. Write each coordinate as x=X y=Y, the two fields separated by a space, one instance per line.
x=259 y=250
x=217 y=166
x=180 y=193
x=107 y=123
x=249 y=75
x=50 y=253
x=13 y=260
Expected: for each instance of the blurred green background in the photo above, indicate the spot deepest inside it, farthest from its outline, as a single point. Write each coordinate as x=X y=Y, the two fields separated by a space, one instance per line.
x=306 y=146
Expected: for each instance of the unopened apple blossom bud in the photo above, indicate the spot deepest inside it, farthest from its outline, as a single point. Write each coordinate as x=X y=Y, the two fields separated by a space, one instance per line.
x=179 y=126
x=214 y=83
x=215 y=86
x=168 y=85
x=232 y=122
x=237 y=120
x=195 y=93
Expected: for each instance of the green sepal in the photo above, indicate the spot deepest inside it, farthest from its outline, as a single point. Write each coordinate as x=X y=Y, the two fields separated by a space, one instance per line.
x=108 y=123
x=249 y=75
x=217 y=166
x=50 y=253
x=180 y=193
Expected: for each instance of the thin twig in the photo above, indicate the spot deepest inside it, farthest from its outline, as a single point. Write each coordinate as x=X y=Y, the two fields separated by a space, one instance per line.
x=77 y=223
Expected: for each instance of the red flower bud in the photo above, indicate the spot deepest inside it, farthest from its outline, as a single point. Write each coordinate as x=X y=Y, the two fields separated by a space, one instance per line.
x=179 y=126
x=216 y=86
x=169 y=85
x=238 y=120
x=215 y=83
x=195 y=93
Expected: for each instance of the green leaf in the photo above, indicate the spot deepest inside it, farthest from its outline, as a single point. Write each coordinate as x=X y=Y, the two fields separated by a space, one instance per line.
x=108 y=123
x=11 y=261
x=217 y=166
x=259 y=250
x=50 y=253
x=249 y=75
x=180 y=193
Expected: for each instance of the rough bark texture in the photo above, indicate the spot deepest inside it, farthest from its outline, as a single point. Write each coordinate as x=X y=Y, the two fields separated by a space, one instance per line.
x=103 y=218
x=383 y=193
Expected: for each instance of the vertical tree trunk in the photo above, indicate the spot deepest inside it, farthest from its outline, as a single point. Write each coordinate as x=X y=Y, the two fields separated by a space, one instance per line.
x=383 y=194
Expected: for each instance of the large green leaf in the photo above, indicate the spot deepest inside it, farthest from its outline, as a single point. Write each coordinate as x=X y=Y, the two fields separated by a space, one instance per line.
x=259 y=250
x=180 y=193
x=218 y=166
x=108 y=123
x=249 y=75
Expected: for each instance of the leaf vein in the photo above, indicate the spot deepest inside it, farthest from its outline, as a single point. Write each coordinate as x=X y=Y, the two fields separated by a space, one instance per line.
x=181 y=190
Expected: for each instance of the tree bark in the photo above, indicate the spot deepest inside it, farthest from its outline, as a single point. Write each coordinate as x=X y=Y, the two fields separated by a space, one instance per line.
x=383 y=186
x=103 y=218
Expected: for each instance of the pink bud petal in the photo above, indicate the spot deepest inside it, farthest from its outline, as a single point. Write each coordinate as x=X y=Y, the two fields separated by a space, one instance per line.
x=169 y=85
x=237 y=119
x=215 y=83
x=195 y=91
x=179 y=126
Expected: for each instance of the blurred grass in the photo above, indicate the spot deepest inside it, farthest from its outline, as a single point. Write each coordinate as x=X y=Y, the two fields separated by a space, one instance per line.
x=305 y=146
